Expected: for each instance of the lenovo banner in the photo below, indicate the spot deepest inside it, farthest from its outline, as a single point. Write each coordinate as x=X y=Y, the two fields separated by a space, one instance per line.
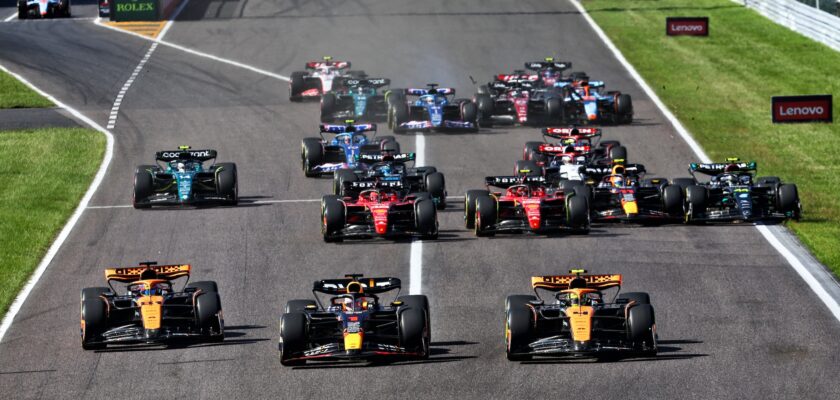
x=690 y=26
x=802 y=109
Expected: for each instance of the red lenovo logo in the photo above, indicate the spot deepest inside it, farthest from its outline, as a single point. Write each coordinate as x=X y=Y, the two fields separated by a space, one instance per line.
x=802 y=109
x=692 y=26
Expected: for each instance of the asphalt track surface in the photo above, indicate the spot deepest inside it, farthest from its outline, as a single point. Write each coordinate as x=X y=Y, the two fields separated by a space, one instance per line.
x=734 y=320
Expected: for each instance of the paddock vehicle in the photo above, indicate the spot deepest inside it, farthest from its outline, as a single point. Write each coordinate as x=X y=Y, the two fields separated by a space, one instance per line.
x=355 y=323
x=582 y=145
x=319 y=78
x=434 y=109
x=148 y=308
x=734 y=194
x=382 y=208
x=625 y=196
x=43 y=8
x=185 y=177
x=359 y=99
x=577 y=319
x=392 y=167
x=321 y=156
x=586 y=101
x=528 y=204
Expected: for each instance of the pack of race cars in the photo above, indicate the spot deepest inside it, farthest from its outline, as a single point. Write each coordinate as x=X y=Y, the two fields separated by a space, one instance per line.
x=564 y=181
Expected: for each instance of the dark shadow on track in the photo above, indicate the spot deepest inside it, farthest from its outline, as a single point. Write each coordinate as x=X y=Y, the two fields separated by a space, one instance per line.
x=437 y=351
x=667 y=351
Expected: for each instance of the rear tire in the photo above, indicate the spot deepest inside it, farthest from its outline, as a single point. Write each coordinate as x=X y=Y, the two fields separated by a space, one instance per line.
x=638 y=297
x=527 y=165
x=436 y=186
x=787 y=199
x=143 y=187
x=531 y=152
x=421 y=302
x=425 y=217
x=293 y=334
x=618 y=153
x=208 y=311
x=205 y=286
x=328 y=105
x=298 y=306
x=486 y=211
x=311 y=156
x=23 y=12
x=695 y=198
x=640 y=328
x=485 y=108
x=624 y=109
x=673 y=201
x=94 y=292
x=340 y=177
x=227 y=182
x=577 y=208
x=683 y=183
x=554 y=111
x=469 y=206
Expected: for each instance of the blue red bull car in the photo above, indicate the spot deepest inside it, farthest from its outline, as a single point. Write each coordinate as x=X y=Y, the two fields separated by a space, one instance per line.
x=434 y=109
x=43 y=8
x=323 y=156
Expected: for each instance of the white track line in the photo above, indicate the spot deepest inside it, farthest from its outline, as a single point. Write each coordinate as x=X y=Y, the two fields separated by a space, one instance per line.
x=68 y=227
x=416 y=254
x=806 y=270
x=11 y=17
x=168 y=25
x=115 y=109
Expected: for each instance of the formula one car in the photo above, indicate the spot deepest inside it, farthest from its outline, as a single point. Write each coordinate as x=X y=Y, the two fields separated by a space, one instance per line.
x=148 y=309
x=548 y=71
x=184 y=179
x=435 y=108
x=321 y=156
x=318 y=78
x=582 y=145
x=392 y=167
x=359 y=99
x=585 y=101
x=528 y=204
x=578 y=319
x=355 y=323
x=517 y=102
x=43 y=8
x=734 y=194
x=623 y=195
x=382 y=208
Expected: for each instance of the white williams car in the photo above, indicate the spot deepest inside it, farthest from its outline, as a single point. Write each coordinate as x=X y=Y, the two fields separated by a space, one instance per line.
x=43 y=8
x=319 y=78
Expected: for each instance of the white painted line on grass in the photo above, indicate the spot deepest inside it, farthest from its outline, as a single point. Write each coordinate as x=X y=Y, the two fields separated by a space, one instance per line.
x=68 y=227
x=416 y=254
x=11 y=17
x=115 y=110
x=806 y=270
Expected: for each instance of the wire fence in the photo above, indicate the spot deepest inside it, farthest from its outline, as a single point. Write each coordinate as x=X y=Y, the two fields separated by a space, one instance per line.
x=800 y=17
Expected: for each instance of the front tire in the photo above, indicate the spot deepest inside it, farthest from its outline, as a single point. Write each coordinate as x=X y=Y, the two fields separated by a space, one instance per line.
x=486 y=212
x=518 y=328
x=293 y=333
x=332 y=218
x=469 y=206
x=311 y=156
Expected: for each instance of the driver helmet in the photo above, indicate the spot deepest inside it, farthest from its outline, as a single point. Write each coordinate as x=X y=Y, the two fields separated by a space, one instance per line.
x=384 y=169
x=429 y=99
x=617 y=180
x=374 y=196
x=521 y=191
x=745 y=179
x=567 y=160
x=181 y=167
x=538 y=191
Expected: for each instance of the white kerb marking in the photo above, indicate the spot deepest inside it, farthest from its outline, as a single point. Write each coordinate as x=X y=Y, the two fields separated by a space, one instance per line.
x=416 y=255
x=115 y=110
x=11 y=17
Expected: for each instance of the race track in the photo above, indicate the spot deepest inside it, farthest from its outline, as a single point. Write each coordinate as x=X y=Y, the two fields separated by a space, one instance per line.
x=734 y=320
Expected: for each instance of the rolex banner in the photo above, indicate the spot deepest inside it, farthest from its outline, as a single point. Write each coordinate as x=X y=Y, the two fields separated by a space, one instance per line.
x=135 y=10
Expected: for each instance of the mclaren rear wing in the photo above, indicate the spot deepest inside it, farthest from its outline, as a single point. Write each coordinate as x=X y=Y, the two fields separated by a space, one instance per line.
x=556 y=283
x=131 y=274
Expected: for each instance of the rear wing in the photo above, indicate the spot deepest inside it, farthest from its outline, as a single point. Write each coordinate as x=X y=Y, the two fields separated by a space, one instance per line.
x=556 y=283
x=335 y=287
x=511 y=78
x=508 y=181
x=629 y=169
x=423 y=92
x=374 y=183
x=328 y=63
x=719 y=168
x=563 y=132
x=337 y=129
x=371 y=82
x=173 y=155
x=131 y=274
x=541 y=65
x=400 y=158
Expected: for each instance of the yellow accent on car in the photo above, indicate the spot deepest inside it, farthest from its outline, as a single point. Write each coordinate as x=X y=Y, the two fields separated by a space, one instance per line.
x=630 y=208
x=353 y=341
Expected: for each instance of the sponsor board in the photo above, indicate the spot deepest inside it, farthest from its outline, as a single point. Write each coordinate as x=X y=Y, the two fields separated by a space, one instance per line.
x=687 y=26
x=134 y=10
x=815 y=108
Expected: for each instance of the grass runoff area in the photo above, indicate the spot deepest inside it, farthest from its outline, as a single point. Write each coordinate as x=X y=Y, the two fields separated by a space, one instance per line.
x=14 y=94
x=44 y=174
x=720 y=88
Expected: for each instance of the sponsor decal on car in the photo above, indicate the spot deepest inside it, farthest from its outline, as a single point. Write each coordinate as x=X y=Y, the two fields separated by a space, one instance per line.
x=817 y=108
x=687 y=26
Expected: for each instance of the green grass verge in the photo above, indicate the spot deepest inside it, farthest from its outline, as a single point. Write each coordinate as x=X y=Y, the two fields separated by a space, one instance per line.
x=44 y=175
x=14 y=94
x=720 y=88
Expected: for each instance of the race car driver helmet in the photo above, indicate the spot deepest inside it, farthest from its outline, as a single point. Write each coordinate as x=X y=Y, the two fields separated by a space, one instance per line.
x=745 y=179
x=521 y=190
x=384 y=169
x=566 y=159
x=181 y=167
x=616 y=180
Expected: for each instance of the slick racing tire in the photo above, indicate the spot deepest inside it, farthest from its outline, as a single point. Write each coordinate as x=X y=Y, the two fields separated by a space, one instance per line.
x=672 y=201
x=577 y=209
x=204 y=286
x=518 y=329
x=483 y=89
x=425 y=219
x=683 y=182
x=332 y=217
x=94 y=292
x=390 y=143
x=768 y=181
x=436 y=186
x=659 y=183
x=640 y=328
x=638 y=297
x=624 y=109
x=297 y=84
x=695 y=198
x=579 y=188
x=469 y=113
x=485 y=107
x=395 y=97
x=356 y=73
x=328 y=106
x=486 y=212
x=787 y=198
x=94 y=317
x=400 y=116
x=609 y=143
x=618 y=153
x=208 y=312
x=227 y=182
x=412 y=330
x=469 y=206
x=531 y=152
x=298 y=306
x=420 y=302
x=311 y=156
x=23 y=11
x=527 y=168
x=554 y=111
x=143 y=187
x=293 y=338
x=340 y=177
x=64 y=6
